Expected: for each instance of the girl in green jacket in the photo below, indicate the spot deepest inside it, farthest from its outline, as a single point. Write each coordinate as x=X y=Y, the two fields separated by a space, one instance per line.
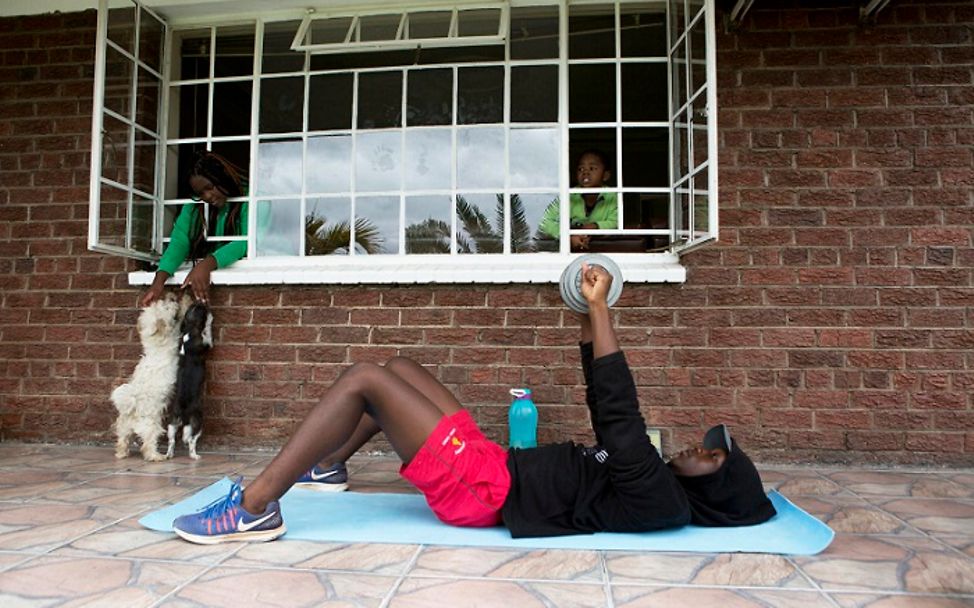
x=213 y=180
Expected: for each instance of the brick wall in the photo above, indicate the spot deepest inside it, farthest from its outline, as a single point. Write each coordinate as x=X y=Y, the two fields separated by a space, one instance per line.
x=834 y=320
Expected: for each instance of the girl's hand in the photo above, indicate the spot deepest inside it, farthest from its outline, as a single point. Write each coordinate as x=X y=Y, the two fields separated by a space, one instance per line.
x=198 y=280
x=595 y=284
x=579 y=242
x=151 y=295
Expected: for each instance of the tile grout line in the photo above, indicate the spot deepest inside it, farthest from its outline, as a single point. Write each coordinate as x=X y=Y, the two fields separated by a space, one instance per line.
x=402 y=577
x=606 y=583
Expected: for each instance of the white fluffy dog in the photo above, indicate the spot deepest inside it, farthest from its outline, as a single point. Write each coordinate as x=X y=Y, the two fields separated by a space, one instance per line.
x=142 y=401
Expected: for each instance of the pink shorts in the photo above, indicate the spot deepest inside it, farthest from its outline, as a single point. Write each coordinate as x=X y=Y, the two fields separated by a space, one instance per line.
x=462 y=474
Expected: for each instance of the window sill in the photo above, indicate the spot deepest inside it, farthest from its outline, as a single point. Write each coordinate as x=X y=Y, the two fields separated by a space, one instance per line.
x=525 y=268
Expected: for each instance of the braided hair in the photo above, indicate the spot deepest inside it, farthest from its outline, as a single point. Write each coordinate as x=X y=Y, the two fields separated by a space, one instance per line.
x=229 y=180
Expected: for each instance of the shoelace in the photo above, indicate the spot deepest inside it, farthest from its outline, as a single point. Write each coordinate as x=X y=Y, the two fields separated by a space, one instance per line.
x=221 y=505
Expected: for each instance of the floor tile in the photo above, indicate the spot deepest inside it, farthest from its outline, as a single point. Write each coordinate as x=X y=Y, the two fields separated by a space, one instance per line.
x=123 y=490
x=371 y=558
x=850 y=600
x=104 y=582
x=730 y=569
x=485 y=593
x=790 y=482
x=901 y=484
x=233 y=588
x=581 y=566
x=41 y=527
x=683 y=597
x=29 y=482
x=935 y=516
x=891 y=564
x=851 y=514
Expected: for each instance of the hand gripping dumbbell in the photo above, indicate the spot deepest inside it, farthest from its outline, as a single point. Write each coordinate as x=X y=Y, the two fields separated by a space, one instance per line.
x=571 y=281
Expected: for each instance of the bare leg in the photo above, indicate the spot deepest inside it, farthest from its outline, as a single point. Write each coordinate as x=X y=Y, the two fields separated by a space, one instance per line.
x=405 y=415
x=414 y=374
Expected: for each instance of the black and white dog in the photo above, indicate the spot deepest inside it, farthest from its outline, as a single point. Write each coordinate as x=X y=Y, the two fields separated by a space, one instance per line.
x=186 y=407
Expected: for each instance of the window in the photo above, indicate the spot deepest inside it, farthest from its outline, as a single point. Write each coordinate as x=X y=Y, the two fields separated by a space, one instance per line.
x=429 y=144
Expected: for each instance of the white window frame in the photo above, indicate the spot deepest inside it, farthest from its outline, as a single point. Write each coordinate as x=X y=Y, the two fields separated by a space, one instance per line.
x=471 y=268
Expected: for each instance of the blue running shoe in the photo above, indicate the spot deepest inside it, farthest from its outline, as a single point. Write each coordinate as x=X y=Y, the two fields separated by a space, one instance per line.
x=332 y=479
x=225 y=521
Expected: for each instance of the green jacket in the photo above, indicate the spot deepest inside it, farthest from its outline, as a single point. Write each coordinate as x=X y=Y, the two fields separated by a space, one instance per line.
x=180 y=240
x=605 y=213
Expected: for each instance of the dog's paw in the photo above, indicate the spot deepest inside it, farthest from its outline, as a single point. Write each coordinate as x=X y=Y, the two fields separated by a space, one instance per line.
x=120 y=454
x=194 y=455
x=154 y=457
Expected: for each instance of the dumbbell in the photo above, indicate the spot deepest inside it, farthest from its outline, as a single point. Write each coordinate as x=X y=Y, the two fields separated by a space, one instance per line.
x=571 y=281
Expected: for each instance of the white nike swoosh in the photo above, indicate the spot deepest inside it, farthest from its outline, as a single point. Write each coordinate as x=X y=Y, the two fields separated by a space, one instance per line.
x=242 y=527
x=323 y=475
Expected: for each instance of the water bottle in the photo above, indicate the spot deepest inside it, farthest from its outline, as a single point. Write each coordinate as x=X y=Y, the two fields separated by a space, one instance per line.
x=522 y=419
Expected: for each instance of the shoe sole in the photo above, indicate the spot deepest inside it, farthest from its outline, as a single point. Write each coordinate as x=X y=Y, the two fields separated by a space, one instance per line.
x=317 y=486
x=258 y=536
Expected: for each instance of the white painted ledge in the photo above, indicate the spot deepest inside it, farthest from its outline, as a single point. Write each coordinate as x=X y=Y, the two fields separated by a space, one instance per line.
x=433 y=269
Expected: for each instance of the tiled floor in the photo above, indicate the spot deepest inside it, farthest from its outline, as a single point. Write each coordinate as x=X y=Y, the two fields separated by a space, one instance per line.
x=69 y=537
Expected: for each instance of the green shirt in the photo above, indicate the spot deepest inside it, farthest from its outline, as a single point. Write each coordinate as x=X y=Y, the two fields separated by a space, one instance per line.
x=180 y=243
x=605 y=213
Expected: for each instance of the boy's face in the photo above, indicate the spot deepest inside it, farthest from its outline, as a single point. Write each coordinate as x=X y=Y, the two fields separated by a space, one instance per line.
x=694 y=462
x=591 y=172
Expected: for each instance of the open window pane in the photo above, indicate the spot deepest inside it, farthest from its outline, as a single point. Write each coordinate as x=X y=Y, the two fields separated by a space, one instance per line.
x=432 y=24
x=121 y=27
x=234 y=51
x=329 y=31
x=113 y=217
x=148 y=95
x=144 y=169
x=378 y=27
x=191 y=54
x=115 y=138
x=534 y=32
x=642 y=28
x=277 y=53
x=478 y=22
x=591 y=31
x=151 y=40
x=119 y=74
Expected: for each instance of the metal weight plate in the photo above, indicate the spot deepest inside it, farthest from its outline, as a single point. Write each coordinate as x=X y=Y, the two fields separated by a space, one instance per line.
x=570 y=284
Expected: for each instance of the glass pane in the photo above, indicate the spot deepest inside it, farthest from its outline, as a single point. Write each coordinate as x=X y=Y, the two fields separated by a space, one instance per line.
x=591 y=31
x=370 y=59
x=119 y=72
x=279 y=167
x=642 y=84
x=188 y=117
x=698 y=55
x=121 y=27
x=282 y=105
x=480 y=223
x=694 y=7
x=112 y=214
x=169 y=215
x=179 y=161
x=681 y=146
x=534 y=158
x=480 y=95
x=329 y=164
x=479 y=22
x=380 y=100
x=237 y=152
x=434 y=24
x=278 y=227
x=429 y=98
x=698 y=130
x=148 y=94
x=643 y=30
x=428 y=224
x=231 y=103
x=378 y=161
x=534 y=32
x=645 y=157
x=534 y=94
x=152 y=37
x=378 y=27
x=534 y=222
x=428 y=159
x=682 y=213
x=677 y=19
x=480 y=158
x=329 y=31
x=191 y=54
x=330 y=102
x=143 y=210
x=701 y=210
x=679 y=71
x=460 y=54
x=582 y=141
x=234 y=51
x=277 y=53
x=144 y=176
x=379 y=217
x=327 y=227
x=592 y=93
x=648 y=211
x=115 y=140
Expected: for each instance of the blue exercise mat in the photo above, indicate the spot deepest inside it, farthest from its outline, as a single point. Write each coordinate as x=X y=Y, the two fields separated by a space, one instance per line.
x=351 y=517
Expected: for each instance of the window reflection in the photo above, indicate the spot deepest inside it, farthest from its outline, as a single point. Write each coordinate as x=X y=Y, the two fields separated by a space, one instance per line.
x=534 y=158
x=278 y=224
x=428 y=159
x=381 y=215
x=480 y=223
x=377 y=161
x=279 y=167
x=329 y=161
x=480 y=158
x=428 y=227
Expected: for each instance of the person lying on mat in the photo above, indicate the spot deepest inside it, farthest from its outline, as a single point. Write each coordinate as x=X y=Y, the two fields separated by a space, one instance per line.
x=620 y=485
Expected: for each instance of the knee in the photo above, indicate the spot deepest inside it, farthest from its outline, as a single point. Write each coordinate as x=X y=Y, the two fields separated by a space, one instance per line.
x=362 y=373
x=397 y=365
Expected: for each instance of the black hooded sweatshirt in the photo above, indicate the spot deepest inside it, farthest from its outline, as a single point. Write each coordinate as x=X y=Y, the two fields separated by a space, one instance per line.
x=620 y=485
